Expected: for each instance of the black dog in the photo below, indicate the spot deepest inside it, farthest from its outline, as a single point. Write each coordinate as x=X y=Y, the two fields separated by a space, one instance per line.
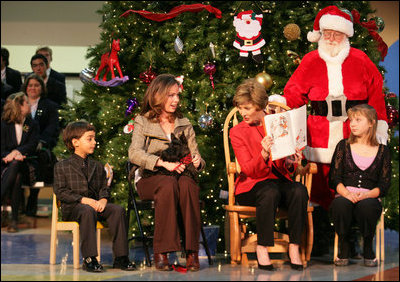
x=177 y=151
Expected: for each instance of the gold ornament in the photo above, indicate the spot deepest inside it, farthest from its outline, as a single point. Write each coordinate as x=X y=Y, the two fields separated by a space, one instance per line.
x=264 y=79
x=294 y=56
x=291 y=31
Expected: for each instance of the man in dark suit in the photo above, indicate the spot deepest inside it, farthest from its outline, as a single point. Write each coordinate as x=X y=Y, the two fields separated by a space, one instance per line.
x=48 y=53
x=11 y=79
x=80 y=184
x=56 y=91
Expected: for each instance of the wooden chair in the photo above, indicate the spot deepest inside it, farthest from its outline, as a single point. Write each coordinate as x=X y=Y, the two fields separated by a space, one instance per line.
x=241 y=242
x=379 y=241
x=73 y=226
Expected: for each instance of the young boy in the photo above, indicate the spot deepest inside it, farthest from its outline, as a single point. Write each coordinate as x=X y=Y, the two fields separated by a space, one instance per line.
x=81 y=186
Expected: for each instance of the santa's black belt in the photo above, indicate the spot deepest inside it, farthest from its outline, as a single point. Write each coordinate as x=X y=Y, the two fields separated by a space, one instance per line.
x=320 y=108
x=248 y=42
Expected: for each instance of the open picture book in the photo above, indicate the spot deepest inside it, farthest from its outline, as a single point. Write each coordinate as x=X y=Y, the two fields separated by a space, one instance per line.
x=288 y=130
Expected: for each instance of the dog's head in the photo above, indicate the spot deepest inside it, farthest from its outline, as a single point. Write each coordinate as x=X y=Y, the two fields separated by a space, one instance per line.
x=177 y=149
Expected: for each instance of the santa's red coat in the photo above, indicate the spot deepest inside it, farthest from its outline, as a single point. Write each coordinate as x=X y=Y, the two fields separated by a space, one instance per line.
x=350 y=73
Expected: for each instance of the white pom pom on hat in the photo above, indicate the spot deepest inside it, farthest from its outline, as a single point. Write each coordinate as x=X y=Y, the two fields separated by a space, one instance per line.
x=331 y=17
x=277 y=98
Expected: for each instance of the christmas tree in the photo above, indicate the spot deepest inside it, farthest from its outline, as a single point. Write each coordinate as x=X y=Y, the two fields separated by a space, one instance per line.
x=199 y=46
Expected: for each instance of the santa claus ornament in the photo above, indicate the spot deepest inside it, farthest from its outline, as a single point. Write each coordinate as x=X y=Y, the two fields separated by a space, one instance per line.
x=248 y=35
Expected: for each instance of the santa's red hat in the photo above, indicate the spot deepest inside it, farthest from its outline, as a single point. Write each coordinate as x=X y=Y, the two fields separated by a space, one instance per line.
x=248 y=15
x=331 y=17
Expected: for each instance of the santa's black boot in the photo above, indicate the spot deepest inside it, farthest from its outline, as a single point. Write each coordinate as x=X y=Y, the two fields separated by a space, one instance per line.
x=258 y=58
x=242 y=59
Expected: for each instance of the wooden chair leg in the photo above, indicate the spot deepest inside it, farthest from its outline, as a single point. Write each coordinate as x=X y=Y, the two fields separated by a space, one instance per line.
x=98 y=244
x=310 y=236
x=53 y=246
x=235 y=238
x=335 y=247
x=75 y=242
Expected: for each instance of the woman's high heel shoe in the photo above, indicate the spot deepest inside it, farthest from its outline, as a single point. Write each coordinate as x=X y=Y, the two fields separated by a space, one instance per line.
x=294 y=266
x=269 y=267
x=298 y=267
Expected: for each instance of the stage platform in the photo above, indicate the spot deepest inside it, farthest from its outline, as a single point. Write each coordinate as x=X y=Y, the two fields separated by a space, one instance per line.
x=25 y=257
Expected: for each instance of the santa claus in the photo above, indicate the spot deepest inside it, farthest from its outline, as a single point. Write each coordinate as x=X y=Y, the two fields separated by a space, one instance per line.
x=248 y=35
x=333 y=78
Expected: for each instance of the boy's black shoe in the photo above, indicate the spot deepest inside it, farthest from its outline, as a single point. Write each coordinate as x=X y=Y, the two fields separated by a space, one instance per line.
x=124 y=263
x=91 y=264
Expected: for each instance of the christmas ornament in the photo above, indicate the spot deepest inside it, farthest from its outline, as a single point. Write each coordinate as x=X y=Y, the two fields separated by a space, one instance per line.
x=129 y=127
x=109 y=173
x=205 y=121
x=147 y=76
x=210 y=69
x=380 y=23
x=248 y=35
x=159 y=17
x=86 y=75
x=392 y=116
x=391 y=95
x=212 y=49
x=132 y=104
x=110 y=60
x=265 y=79
x=294 y=56
x=178 y=45
x=180 y=82
x=291 y=32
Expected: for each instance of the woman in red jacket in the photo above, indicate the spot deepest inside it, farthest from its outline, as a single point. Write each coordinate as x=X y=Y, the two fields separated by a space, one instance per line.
x=264 y=183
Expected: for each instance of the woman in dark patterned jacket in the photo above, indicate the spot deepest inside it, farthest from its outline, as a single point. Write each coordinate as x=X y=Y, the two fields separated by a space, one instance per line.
x=19 y=139
x=360 y=173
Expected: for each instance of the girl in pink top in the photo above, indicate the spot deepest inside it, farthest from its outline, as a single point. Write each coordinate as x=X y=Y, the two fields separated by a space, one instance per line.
x=360 y=173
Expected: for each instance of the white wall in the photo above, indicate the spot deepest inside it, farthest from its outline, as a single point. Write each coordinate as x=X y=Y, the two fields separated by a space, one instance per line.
x=67 y=27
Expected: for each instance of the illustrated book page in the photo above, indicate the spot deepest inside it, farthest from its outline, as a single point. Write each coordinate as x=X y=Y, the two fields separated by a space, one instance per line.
x=288 y=130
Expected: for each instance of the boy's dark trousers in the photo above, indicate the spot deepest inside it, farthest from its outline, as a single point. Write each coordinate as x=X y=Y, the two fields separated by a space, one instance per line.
x=88 y=217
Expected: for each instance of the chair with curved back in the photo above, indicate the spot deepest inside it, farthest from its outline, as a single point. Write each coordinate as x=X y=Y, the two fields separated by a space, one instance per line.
x=241 y=241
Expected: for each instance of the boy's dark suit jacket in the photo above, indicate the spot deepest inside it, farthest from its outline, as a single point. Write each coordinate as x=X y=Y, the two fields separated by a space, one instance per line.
x=29 y=139
x=71 y=184
x=48 y=119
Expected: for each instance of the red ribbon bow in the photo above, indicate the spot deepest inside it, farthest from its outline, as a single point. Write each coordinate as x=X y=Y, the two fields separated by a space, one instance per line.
x=371 y=26
x=185 y=160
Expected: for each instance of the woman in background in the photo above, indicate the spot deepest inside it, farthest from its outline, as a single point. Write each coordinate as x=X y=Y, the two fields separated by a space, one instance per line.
x=19 y=139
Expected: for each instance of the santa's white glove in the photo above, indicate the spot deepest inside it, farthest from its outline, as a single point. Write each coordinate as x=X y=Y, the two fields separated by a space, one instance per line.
x=277 y=98
x=382 y=132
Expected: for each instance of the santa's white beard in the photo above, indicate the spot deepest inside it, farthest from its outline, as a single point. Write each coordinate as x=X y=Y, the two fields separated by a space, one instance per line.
x=247 y=30
x=332 y=48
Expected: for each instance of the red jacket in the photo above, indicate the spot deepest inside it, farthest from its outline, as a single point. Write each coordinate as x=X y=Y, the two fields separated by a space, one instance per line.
x=246 y=143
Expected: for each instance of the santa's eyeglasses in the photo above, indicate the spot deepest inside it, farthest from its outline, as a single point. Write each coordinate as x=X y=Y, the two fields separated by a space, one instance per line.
x=335 y=34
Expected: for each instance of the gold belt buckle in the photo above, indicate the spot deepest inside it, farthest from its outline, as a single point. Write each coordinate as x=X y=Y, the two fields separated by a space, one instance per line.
x=248 y=42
